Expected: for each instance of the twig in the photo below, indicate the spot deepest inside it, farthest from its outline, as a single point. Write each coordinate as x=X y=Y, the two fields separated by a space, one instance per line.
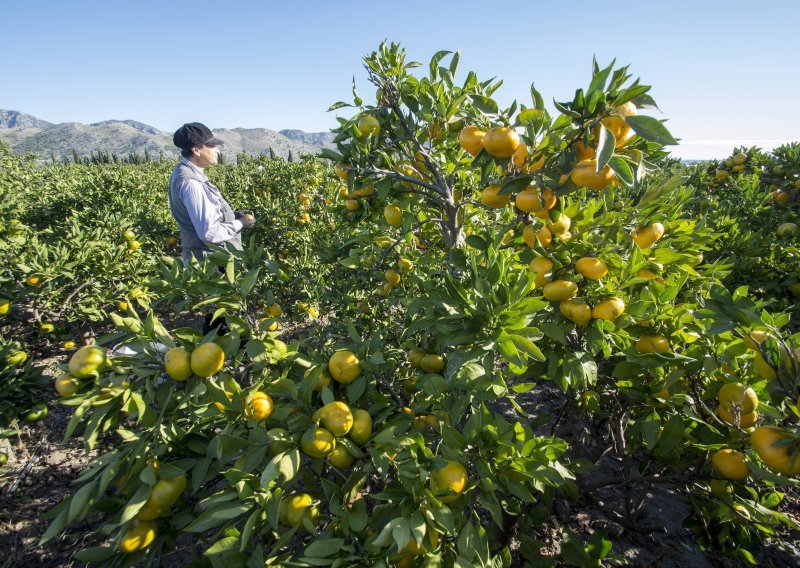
x=63 y=307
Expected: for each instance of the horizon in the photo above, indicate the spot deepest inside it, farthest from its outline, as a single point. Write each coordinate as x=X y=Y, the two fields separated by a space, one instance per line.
x=281 y=68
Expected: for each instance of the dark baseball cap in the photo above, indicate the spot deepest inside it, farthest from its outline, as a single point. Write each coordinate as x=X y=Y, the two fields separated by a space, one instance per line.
x=194 y=135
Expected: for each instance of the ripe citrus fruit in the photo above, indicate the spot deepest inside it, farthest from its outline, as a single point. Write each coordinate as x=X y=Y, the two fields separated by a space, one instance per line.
x=261 y=406
x=490 y=197
x=561 y=226
x=578 y=313
x=585 y=175
x=591 y=268
x=739 y=396
x=745 y=420
x=541 y=267
x=5 y=305
x=471 y=139
x=344 y=367
x=362 y=427
x=559 y=290
x=393 y=215
x=501 y=142
x=768 y=442
x=404 y=265
x=451 y=476
x=317 y=443
x=609 y=309
x=755 y=338
x=177 y=364
x=17 y=358
x=763 y=368
x=138 y=537
x=336 y=417
x=528 y=200
x=207 y=359
x=730 y=464
x=352 y=205
x=648 y=236
x=86 y=361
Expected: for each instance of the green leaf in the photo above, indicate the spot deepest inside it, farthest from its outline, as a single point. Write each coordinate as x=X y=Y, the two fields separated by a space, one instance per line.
x=651 y=129
x=606 y=143
x=217 y=516
x=622 y=169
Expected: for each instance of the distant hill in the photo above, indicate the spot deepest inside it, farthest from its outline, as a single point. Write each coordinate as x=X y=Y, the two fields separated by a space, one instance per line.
x=27 y=134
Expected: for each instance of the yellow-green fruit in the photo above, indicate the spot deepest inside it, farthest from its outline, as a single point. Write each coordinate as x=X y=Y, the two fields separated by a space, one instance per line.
x=341 y=458
x=652 y=344
x=393 y=215
x=392 y=277
x=86 y=361
x=369 y=125
x=297 y=507
x=737 y=395
x=66 y=385
x=177 y=364
x=432 y=363
x=336 y=417
x=361 y=431
x=138 y=537
x=317 y=443
x=415 y=356
x=763 y=368
x=451 y=476
x=207 y=359
x=5 y=305
x=344 y=367
x=541 y=267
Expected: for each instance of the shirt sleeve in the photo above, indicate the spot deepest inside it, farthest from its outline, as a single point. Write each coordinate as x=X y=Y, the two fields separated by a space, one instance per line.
x=205 y=214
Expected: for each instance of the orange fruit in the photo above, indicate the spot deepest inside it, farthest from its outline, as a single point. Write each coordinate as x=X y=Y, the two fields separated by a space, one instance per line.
x=767 y=441
x=737 y=396
x=540 y=266
x=745 y=420
x=471 y=139
x=585 y=175
x=336 y=417
x=297 y=507
x=490 y=197
x=368 y=125
x=393 y=215
x=591 y=268
x=648 y=236
x=730 y=464
x=261 y=406
x=138 y=537
x=609 y=309
x=559 y=290
x=501 y=142
x=578 y=313
x=66 y=385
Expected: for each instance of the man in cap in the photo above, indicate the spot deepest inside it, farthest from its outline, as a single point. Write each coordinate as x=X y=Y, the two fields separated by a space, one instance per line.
x=202 y=214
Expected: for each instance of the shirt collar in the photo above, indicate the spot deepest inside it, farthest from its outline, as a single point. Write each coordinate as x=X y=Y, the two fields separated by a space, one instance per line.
x=194 y=168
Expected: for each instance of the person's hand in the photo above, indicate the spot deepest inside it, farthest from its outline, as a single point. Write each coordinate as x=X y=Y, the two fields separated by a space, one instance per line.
x=246 y=218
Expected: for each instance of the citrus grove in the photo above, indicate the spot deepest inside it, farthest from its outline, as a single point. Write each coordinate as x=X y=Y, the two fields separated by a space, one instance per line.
x=402 y=304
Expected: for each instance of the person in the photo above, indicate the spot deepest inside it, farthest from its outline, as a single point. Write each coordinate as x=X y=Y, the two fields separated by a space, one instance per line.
x=202 y=214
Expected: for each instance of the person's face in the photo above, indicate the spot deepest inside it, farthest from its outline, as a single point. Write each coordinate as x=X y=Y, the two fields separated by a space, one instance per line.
x=206 y=155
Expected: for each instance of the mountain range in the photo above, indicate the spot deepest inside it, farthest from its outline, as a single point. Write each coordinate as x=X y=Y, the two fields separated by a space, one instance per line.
x=26 y=134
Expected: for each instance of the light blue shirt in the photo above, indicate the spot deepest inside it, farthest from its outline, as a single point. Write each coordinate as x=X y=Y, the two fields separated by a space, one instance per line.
x=204 y=210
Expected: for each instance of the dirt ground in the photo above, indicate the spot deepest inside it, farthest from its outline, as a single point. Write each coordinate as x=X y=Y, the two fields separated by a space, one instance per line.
x=658 y=538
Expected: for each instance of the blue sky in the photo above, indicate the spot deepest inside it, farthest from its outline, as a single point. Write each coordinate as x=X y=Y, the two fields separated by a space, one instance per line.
x=723 y=72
